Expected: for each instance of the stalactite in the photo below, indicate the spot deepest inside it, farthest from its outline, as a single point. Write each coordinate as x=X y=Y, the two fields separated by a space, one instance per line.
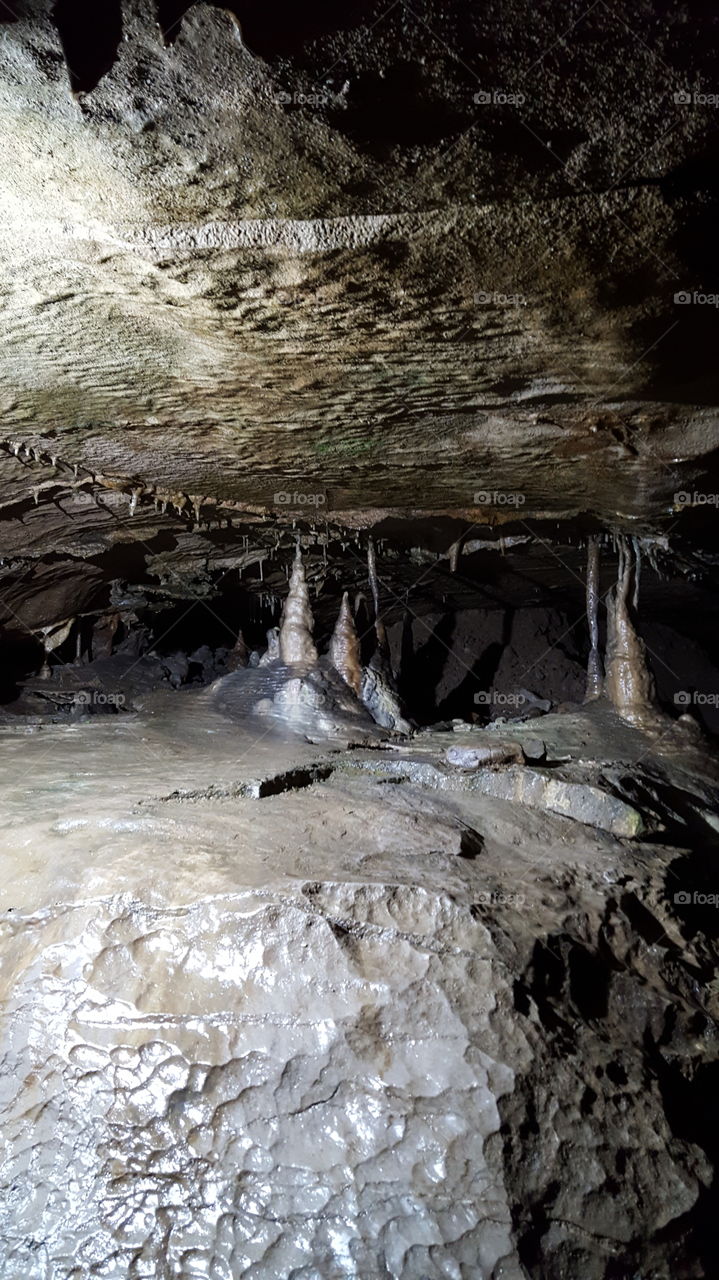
x=379 y=626
x=296 y=643
x=628 y=682
x=637 y=570
x=379 y=691
x=344 y=648
x=594 y=663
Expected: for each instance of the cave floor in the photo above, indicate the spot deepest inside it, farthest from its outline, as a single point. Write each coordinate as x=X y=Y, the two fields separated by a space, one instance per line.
x=147 y=802
x=407 y=971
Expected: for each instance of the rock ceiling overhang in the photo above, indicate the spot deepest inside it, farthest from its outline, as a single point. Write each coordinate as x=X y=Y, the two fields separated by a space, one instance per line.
x=333 y=279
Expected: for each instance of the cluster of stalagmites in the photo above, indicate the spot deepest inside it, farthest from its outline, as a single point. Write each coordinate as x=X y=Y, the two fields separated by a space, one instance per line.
x=340 y=685
x=328 y=689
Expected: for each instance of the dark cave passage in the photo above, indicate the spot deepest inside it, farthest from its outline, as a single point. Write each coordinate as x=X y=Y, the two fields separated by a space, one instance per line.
x=500 y=635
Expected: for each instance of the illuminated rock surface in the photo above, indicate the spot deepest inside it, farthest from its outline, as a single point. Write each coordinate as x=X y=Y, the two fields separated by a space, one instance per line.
x=348 y=1029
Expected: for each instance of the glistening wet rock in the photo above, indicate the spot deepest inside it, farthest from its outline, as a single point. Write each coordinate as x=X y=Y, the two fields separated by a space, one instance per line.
x=348 y=1028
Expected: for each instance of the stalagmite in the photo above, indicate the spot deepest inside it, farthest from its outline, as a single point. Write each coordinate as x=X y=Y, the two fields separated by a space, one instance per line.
x=594 y=662
x=272 y=652
x=296 y=644
x=379 y=691
x=344 y=648
x=628 y=682
x=239 y=654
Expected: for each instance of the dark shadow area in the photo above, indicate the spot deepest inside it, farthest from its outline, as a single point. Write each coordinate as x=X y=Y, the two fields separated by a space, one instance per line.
x=90 y=33
x=277 y=30
x=479 y=679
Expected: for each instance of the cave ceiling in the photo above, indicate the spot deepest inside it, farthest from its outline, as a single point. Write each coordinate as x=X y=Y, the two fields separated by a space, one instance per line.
x=340 y=266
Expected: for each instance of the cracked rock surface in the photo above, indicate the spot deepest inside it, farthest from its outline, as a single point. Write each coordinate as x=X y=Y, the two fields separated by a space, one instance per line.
x=349 y=1025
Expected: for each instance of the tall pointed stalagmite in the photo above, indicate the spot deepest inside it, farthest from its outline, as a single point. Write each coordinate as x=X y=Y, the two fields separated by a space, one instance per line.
x=297 y=647
x=594 y=662
x=628 y=682
x=239 y=655
x=345 y=648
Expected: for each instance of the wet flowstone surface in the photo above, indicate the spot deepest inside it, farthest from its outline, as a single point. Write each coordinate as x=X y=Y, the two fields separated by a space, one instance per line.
x=273 y=1009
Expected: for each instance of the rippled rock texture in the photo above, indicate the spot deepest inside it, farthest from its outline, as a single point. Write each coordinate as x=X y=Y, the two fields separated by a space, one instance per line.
x=394 y=259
